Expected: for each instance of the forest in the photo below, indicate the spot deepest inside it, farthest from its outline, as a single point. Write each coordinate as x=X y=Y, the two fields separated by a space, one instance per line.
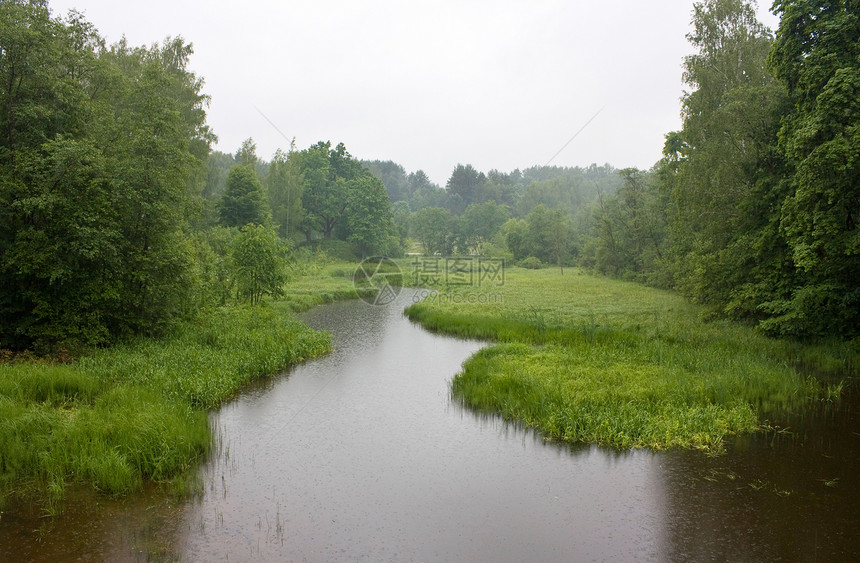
x=117 y=217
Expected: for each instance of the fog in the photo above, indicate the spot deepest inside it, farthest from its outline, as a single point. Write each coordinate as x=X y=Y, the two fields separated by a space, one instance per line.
x=429 y=85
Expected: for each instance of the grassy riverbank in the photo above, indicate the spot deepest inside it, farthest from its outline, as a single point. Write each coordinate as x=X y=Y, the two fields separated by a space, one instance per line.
x=138 y=411
x=590 y=359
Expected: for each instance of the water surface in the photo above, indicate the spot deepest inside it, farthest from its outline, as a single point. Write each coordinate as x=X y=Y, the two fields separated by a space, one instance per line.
x=362 y=456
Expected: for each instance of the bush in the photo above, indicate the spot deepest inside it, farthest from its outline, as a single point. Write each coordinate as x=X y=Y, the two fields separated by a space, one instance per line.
x=531 y=263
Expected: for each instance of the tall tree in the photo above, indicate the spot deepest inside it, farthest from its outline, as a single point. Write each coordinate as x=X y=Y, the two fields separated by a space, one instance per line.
x=434 y=228
x=464 y=188
x=244 y=200
x=393 y=176
x=101 y=153
x=423 y=192
x=481 y=222
x=629 y=229
x=247 y=153
x=817 y=54
x=727 y=167
x=326 y=172
x=285 y=188
x=369 y=222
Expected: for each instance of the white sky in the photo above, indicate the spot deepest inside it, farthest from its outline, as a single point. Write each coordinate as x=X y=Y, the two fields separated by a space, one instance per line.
x=495 y=84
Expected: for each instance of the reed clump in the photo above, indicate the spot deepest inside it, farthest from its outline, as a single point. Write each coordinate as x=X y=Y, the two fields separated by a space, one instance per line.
x=589 y=359
x=138 y=411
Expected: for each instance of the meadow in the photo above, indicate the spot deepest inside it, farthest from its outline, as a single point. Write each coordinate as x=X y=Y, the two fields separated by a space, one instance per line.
x=137 y=412
x=591 y=359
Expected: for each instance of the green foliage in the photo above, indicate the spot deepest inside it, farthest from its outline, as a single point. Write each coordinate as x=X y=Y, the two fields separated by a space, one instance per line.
x=569 y=189
x=369 y=222
x=545 y=234
x=817 y=54
x=244 y=200
x=101 y=158
x=753 y=209
x=393 y=177
x=344 y=200
x=424 y=193
x=247 y=153
x=214 y=272
x=137 y=411
x=218 y=164
x=434 y=228
x=327 y=172
x=285 y=187
x=480 y=223
x=597 y=360
x=464 y=188
x=727 y=157
x=258 y=257
x=530 y=263
x=629 y=229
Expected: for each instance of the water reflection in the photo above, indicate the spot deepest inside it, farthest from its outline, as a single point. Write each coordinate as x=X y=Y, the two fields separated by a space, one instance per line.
x=362 y=455
x=774 y=497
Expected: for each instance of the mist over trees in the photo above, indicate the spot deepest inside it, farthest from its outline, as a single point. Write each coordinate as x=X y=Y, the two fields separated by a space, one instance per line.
x=753 y=209
x=479 y=213
x=117 y=218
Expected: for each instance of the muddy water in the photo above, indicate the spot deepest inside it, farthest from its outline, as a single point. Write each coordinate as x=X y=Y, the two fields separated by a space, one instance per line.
x=362 y=456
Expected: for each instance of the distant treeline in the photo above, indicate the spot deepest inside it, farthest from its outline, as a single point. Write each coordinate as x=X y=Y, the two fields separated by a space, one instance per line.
x=117 y=218
x=754 y=208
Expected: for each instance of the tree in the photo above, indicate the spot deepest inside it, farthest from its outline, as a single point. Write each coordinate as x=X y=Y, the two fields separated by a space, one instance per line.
x=464 y=187
x=247 y=153
x=218 y=165
x=539 y=233
x=259 y=261
x=285 y=188
x=722 y=170
x=817 y=55
x=515 y=238
x=369 y=221
x=434 y=228
x=423 y=192
x=244 y=200
x=545 y=234
x=481 y=222
x=326 y=172
x=559 y=237
x=101 y=160
x=393 y=176
x=401 y=215
x=629 y=229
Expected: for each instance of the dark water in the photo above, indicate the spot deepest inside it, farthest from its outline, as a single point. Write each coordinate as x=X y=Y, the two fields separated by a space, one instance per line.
x=362 y=456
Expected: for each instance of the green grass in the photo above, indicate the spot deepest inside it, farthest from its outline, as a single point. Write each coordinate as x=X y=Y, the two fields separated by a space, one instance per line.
x=589 y=359
x=323 y=284
x=138 y=411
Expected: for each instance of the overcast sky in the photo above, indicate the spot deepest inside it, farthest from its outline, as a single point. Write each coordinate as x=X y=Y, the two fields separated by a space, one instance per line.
x=496 y=84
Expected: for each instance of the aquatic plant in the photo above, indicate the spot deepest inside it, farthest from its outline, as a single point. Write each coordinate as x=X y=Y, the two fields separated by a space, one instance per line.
x=589 y=359
x=138 y=411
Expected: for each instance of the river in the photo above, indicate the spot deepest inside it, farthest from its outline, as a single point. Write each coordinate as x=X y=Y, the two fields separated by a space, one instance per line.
x=363 y=456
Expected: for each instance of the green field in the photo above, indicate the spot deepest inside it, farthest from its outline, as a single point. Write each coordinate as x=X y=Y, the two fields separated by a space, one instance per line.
x=590 y=359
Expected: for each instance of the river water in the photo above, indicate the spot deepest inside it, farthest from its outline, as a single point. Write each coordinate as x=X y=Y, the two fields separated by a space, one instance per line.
x=363 y=456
